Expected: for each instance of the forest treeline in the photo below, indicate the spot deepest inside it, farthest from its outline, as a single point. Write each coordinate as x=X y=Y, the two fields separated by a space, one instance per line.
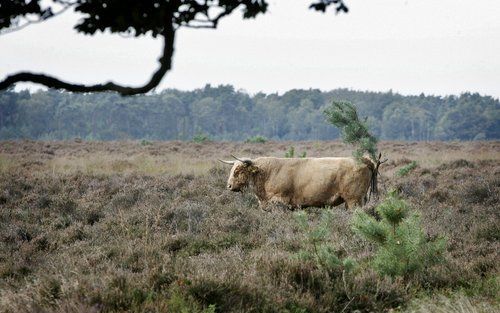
x=223 y=113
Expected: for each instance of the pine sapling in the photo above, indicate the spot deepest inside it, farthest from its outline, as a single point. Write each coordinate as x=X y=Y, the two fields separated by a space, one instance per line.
x=402 y=248
x=316 y=248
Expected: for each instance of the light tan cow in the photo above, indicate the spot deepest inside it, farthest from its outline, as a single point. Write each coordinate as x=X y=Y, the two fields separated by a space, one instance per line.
x=303 y=182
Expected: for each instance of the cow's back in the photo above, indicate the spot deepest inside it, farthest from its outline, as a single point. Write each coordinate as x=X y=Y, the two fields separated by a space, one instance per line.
x=312 y=181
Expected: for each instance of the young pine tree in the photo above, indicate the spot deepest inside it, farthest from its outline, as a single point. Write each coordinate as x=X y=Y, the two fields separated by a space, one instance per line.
x=354 y=131
x=401 y=243
x=316 y=248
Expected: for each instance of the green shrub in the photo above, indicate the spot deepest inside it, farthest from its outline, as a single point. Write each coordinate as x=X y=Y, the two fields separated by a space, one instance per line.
x=201 y=138
x=290 y=153
x=256 y=139
x=145 y=142
x=403 y=171
x=478 y=193
x=402 y=248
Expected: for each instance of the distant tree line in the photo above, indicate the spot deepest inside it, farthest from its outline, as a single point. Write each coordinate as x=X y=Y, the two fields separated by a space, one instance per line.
x=223 y=113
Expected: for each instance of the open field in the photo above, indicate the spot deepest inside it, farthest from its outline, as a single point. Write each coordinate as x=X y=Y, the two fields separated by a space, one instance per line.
x=149 y=227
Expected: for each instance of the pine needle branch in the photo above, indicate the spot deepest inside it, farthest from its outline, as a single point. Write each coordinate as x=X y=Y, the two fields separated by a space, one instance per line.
x=344 y=115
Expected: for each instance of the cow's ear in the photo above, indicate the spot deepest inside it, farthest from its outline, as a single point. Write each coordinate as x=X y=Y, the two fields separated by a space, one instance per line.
x=254 y=169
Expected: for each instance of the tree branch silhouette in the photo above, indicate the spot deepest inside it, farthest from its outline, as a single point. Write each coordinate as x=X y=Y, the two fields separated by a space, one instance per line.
x=65 y=7
x=135 y=17
x=52 y=82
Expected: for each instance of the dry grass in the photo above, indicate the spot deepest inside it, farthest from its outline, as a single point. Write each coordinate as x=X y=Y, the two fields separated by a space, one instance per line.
x=107 y=164
x=176 y=157
x=445 y=304
x=121 y=226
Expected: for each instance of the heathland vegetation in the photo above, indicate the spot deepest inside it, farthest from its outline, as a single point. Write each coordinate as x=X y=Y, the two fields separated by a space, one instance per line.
x=149 y=227
x=222 y=113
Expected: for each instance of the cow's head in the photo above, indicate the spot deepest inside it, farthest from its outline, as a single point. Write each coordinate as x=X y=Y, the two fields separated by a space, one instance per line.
x=240 y=174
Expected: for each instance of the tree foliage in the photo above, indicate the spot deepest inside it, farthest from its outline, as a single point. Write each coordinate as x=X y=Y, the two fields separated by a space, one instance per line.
x=132 y=17
x=222 y=113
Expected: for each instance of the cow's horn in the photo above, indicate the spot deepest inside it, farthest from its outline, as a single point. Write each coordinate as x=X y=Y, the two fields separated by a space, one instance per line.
x=247 y=162
x=226 y=162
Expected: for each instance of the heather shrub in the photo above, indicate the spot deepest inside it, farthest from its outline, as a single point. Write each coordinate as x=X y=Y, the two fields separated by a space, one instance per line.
x=256 y=139
x=478 y=192
x=180 y=301
x=460 y=163
x=229 y=296
x=49 y=291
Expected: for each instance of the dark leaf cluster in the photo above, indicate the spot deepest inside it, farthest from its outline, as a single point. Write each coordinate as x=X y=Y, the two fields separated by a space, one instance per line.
x=141 y=17
x=10 y=11
x=322 y=5
x=132 y=16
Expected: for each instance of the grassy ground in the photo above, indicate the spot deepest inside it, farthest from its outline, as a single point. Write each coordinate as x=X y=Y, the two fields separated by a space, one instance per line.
x=149 y=227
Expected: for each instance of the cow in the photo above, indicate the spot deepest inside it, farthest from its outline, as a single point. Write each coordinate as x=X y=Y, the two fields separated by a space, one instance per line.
x=305 y=182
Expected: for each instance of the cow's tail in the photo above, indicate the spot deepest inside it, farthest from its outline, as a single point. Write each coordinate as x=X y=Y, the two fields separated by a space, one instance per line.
x=373 y=165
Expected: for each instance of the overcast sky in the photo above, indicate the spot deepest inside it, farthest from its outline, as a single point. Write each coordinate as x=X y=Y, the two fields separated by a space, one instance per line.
x=437 y=47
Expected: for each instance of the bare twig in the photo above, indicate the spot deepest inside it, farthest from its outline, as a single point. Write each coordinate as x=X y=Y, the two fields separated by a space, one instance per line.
x=345 y=286
x=347 y=305
x=199 y=26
